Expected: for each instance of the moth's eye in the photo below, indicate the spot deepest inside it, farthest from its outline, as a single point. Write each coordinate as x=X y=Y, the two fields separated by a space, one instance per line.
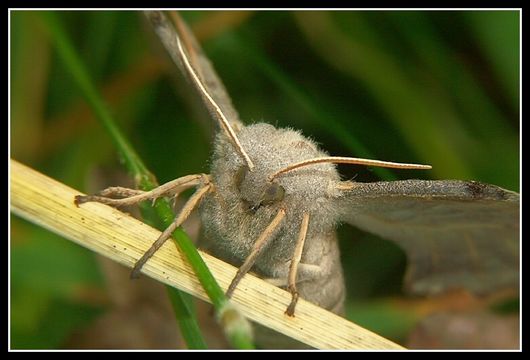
x=273 y=193
x=241 y=173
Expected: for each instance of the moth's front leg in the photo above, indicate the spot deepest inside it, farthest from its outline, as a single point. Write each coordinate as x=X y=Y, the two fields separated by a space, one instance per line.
x=170 y=189
x=120 y=196
x=298 y=271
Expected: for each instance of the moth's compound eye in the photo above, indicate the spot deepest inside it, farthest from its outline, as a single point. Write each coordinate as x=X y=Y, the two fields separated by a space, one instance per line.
x=241 y=173
x=273 y=193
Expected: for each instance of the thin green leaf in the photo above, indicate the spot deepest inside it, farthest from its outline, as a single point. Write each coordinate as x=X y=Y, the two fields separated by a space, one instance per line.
x=144 y=179
x=182 y=305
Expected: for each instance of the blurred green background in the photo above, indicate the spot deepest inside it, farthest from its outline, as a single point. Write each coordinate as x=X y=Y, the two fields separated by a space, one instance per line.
x=436 y=87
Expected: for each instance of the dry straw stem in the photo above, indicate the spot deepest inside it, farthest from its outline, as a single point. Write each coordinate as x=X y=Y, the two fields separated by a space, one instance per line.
x=124 y=239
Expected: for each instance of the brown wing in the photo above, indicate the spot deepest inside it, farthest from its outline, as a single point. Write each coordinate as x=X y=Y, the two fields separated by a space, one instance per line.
x=456 y=234
x=168 y=34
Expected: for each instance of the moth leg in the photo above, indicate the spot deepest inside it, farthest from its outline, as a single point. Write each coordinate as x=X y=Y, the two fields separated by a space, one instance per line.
x=262 y=240
x=188 y=207
x=118 y=191
x=293 y=269
x=131 y=196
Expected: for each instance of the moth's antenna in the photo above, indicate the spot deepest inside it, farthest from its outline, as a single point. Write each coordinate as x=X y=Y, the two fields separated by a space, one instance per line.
x=348 y=160
x=168 y=35
x=222 y=119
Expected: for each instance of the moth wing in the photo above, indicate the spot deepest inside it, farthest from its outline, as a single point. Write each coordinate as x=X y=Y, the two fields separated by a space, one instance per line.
x=168 y=31
x=456 y=234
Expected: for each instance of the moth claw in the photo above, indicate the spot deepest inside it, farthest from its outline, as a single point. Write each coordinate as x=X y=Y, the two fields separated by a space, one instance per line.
x=135 y=274
x=290 y=309
x=80 y=199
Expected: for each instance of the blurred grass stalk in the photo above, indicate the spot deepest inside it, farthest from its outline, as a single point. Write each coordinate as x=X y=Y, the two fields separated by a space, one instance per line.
x=239 y=336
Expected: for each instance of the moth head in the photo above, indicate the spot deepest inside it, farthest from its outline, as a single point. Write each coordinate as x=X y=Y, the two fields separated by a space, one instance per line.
x=289 y=170
x=271 y=149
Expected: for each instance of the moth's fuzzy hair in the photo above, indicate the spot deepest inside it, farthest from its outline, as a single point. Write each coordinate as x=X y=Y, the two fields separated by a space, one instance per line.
x=310 y=189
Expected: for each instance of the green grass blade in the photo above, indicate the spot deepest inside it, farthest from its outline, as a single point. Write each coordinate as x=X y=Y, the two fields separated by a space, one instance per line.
x=145 y=181
x=132 y=161
x=181 y=303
